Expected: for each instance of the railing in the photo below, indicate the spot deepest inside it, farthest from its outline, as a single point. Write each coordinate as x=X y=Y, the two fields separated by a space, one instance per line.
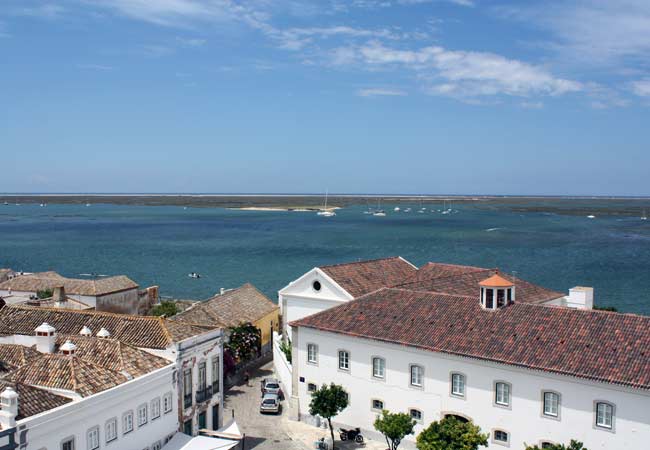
x=187 y=400
x=215 y=387
x=201 y=395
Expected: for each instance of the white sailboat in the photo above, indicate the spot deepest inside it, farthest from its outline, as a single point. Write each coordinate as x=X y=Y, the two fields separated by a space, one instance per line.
x=644 y=216
x=379 y=212
x=325 y=212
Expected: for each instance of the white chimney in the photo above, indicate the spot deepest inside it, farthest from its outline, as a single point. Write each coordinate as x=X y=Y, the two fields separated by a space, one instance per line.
x=58 y=296
x=580 y=297
x=45 y=338
x=9 y=408
x=68 y=348
x=103 y=333
x=85 y=331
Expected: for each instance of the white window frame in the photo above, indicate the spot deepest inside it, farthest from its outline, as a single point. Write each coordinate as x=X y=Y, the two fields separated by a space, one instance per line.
x=127 y=415
x=155 y=408
x=144 y=407
x=612 y=415
x=548 y=412
x=421 y=419
x=167 y=403
x=378 y=374
x=498 y=401
x=312 y=390
x=498 y=441
x=372 y=404
x=69 y=440
x=312 y=354
x=419 y=385
x=345 y=353
x=463 y=383
x=110 y=437
x=92 y=438
x=156 y=446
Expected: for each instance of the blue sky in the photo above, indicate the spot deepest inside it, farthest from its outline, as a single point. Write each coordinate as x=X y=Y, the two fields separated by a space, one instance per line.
x=363 y=96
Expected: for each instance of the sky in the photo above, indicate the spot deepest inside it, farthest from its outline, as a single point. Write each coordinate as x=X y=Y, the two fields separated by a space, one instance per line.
x=300 y=96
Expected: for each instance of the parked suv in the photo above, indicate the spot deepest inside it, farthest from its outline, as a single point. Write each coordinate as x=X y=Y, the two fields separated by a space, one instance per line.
x=270 y=404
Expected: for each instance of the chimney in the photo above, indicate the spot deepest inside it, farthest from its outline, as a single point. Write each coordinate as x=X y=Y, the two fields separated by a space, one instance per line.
x=85 y=331
x=45 y=338
x=580 y=297
x=58 y=295
x=103 y=334
x=9 y=408
x=68 y=348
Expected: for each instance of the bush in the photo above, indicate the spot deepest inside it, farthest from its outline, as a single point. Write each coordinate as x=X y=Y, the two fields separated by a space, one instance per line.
x=451 y=434
x=574 y=445
x=45 y=293
x=165 y=308
x=394 y=427
x=285 y=347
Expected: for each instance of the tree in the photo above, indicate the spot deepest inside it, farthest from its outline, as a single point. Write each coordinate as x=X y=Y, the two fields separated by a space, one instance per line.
x=44 y=293
x=451 y=434
x=394 y=426
x=606 y=308
x=327 y=402
x=165 y=308
x=574 y=445
x=245 y=341
x=285 y=347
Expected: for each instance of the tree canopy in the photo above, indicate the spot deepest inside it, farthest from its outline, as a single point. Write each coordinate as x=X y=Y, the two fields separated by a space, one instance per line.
x=394 y=427
x=165 y=308
x=451 y=434
x=328 y=402
x=573 y=445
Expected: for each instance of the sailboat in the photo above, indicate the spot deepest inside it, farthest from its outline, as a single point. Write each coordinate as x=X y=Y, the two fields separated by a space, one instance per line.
x=422 y=209
x=325 y=212
x=644 y=216
x=379 y=212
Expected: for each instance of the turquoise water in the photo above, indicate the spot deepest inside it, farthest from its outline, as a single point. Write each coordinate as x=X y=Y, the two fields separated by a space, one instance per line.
x=161 y=245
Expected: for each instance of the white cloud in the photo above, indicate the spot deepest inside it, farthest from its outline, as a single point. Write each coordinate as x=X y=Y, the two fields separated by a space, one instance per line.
x=42 y=11
x=461 y=73
x=191 y=42
x=380 y=92
x=641 y=87
x=532 y=105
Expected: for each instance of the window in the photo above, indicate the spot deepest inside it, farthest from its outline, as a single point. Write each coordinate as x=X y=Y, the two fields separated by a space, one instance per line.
x=312 y=353
x=127 y=422
x=415 y=414
x=67 y=444
x=501 y=436
x=604 y=415
x=316 y=285
x=311 y=387
x=551 y=404
x=501 y=298
x=344 y=360
x=156 y=446
x=547 y=444
x=417 y=373
x=92 y=437
x=378 y=367
x=202 y=377
x=215 y=374
x=203 y=421
x=167 y=402
x=458 y=384
x=187 y=427
x=489 y=298
x=142 y=415
x=187 y=388
x=111 y=430
x=377 y=405
x=155 y=408
x=502 y=394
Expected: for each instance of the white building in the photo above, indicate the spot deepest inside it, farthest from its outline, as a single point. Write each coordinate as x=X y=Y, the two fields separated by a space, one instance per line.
x=524 y=371
x=148 y=373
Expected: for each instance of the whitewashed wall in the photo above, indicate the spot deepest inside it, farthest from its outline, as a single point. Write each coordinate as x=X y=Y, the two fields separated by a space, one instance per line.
x=524 y=420
x=282 y=366
x=49 y=429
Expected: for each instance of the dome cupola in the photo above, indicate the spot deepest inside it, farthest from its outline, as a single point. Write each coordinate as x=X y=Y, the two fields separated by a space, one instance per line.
x=496 y=292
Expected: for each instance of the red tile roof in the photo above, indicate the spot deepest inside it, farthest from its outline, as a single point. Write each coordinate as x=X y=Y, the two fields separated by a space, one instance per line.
x=596 y=345
x=32 y=401
x=496 y=280
x=362 y=277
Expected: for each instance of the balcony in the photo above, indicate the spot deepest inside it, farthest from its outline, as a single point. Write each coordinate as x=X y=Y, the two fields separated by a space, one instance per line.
x=215 y=387
x=187 y=400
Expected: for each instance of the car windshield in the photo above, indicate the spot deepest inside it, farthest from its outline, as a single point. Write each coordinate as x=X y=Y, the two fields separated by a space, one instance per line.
x=272 y=385
x=269 y=401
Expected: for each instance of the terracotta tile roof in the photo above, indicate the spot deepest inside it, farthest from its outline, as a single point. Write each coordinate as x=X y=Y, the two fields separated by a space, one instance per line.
x=362 y=277
x=496 y=280
x=244 y=304
x=597 y=345
x=114 y=355
x=32 y=401
x=13 y=356
x=67 y=372
x=138 y=331
x=49 y=280
x=467 y=284
x=441 y=270
x=69 y=303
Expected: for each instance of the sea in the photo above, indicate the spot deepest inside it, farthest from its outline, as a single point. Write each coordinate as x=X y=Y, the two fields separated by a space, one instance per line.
x=161 y=245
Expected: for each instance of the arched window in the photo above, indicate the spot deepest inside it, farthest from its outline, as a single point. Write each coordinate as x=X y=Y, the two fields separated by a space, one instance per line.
x=501 y=437
x=377 y=405
x=415 y=414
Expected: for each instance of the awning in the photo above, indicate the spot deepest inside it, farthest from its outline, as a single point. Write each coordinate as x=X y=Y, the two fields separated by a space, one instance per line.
x=182 y=441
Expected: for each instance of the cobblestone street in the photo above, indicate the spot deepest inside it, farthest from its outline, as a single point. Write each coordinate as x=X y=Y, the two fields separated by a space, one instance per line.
x=271 y=432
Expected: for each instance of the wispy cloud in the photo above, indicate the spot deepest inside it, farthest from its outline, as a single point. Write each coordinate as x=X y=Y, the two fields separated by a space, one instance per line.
x=461 y=74
x=641 y=87
x=191 y=42
x=42 y=11
x=156 y=50
x=532 y=105
x=98 y=67
x=381 y=92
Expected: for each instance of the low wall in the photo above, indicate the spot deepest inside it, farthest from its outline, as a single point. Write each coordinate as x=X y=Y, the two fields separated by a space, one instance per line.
x=282 y=366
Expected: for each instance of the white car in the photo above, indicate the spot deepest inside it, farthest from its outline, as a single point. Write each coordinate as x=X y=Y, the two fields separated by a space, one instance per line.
x=270 y=404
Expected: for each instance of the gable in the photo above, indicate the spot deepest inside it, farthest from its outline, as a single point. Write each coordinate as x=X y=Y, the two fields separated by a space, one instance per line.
x=304 y=287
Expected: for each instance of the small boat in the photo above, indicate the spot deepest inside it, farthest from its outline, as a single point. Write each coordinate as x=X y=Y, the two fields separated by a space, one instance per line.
x=644 y=216
x=422 y=211
x=43 y=205
x=325 y=212
x=87 y=205
x=194 y=275
x=379 y=213
x=407 y=210
x=6 y=203
x=591 y=216
x=396 y=209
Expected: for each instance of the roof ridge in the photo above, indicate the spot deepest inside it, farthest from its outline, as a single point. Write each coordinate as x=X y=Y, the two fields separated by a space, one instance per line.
x=456 y=275
x=363 y=261
x=584 y=311
x=77 y=311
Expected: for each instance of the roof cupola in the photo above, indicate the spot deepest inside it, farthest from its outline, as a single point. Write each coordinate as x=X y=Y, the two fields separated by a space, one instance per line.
x=8 y=408
x=68 y=348
x=496 y=292
x=103 y=333
x=85 y=331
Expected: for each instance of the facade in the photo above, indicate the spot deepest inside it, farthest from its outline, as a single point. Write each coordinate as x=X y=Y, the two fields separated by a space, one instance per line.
x=117 y=294
x=175 y=376
x=234 y=307
x=527 y=364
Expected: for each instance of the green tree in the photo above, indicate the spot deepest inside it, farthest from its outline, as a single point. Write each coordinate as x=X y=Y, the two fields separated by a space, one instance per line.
x=44 y=293
x=394 y=426
x=285 y=347
x=574 y=445
x=244 y=341
x=605 y=308
x=328 y=402
x=165 y=308
x=451 y=434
